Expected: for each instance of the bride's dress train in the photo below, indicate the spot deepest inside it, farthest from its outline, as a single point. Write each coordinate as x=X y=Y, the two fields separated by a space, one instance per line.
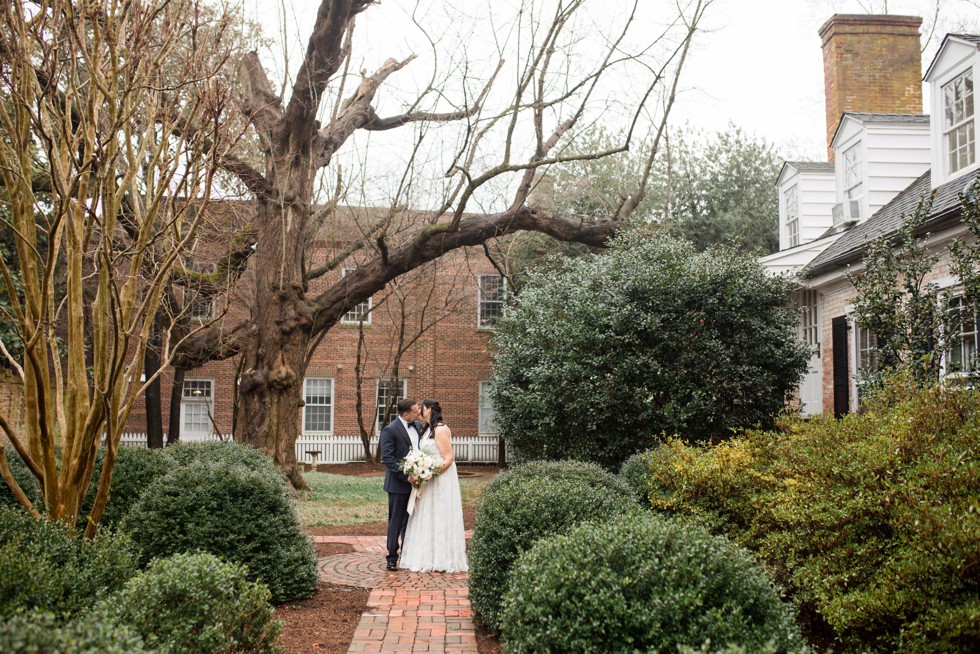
x=434 y=538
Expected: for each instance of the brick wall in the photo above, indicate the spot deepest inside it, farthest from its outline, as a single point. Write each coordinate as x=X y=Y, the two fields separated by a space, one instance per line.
x=871 y=64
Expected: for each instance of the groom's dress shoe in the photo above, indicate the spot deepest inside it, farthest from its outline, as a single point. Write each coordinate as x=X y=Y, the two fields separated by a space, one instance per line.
x=391 y=566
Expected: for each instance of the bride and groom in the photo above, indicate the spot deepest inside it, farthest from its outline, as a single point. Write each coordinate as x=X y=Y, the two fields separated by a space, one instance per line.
x=432 y=537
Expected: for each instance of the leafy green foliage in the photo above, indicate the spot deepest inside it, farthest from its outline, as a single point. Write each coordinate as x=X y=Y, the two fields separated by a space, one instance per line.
x=26 y=481
x=870 y=521
x=635 y=471
x=48 y=567
x=37 y=632
x=229 y=452
x=134 y=470
x=241 y=515
x=650 y=338
x=528 y=502
x=642 y=583
x=196 y=604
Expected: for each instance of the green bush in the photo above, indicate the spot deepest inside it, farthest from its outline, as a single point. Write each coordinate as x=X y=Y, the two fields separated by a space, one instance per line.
x=134 y=470
x=48 y=567
x=642 y=583
x=870 y=521
x=27 y=482
x=196 y=604
x=679 y=342
x=237 y=514
x=42 y=633
x=636 y=473
x=526 y=503
x=230 y=452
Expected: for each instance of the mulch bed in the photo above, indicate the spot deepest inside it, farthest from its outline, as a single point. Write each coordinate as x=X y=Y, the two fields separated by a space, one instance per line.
x=326 y=622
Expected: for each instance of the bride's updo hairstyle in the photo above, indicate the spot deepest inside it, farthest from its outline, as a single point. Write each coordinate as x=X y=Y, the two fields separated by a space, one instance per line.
x=435 y=418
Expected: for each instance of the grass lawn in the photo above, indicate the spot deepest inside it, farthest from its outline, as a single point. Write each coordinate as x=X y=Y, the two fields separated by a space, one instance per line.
x=349 y=500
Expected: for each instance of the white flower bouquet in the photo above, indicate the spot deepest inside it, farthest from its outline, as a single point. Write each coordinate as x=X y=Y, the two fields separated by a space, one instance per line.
x=423 y=464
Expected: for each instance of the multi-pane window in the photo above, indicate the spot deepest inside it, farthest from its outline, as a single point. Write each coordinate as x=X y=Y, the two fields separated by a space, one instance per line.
x=318 y=410
x=389 y=393
x=488 y=424
x=867 y=350
x=853 y=181
x=809 y=324
x=361 y=312
x=200 y=305
x=959 y=127
x=492 y=295
x=963 y=341
x=793 y=216
x=196 y=408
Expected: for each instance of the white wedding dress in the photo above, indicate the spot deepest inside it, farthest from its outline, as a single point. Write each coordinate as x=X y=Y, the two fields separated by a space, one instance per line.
x=434 y=539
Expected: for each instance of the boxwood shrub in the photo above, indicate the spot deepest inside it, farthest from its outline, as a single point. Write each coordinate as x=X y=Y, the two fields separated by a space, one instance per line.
x=48 y=567
x=37 y=632
x=135 y=469
x=635 y=471
x=870 y=521
x=185 y=454
x=196 y=604
x=235 y=513
x=526 y=503
x=642 y=583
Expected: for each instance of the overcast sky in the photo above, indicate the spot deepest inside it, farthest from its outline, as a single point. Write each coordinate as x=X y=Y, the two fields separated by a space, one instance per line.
x=757 y=63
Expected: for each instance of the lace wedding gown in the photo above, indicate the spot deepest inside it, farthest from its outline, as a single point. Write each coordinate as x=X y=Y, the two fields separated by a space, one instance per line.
x=434 y=539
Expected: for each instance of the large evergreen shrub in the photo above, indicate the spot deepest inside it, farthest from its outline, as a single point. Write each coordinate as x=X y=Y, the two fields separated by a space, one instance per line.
x=37 y=632
x=196 y=604
x=134 y=470
x=871 y=520
x=526 y=503
x=27 y=482
x=235 y=513
x=635 y=471
x=602 y=354
x=50 y=568
x=229 y=452
x=642 y=583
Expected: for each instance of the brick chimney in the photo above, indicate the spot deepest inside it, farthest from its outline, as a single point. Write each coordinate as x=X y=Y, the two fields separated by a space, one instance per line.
x=871 y=64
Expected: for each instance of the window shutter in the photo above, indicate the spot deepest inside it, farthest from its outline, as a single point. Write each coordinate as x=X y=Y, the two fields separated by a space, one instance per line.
x=841 y=380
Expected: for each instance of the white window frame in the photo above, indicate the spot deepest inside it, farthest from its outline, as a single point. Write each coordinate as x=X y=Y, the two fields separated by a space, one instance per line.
x=188 y=398
x=193 y=296
x=947 y=355
x=480 y=322
x=485 y=406
x=854 y=178
x=963 y=124
x=307 y=404
x=792 y=199
x=379 y=420
x=362 y=310
x=857 y=359
x=810 y=318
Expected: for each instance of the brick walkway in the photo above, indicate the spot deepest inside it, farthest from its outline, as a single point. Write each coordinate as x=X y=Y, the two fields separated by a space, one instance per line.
x=407 y=611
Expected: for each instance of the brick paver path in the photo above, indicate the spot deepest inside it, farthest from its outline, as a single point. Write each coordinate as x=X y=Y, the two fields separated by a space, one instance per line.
x=407 y=611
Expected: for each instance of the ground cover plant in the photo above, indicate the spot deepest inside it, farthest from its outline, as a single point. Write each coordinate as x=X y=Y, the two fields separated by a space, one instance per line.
x=870 y=521
x=643 y=583
x=526 y=503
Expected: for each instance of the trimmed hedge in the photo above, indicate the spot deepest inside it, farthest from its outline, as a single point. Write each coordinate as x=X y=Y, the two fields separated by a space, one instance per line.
x=134 y=471
x=528 y=502
x=642 y=583
x=237 y=514
x=871 y=521
x=196 y=604
x=635 y=471
x=230 y=452
x=42 y=633
x=48 y=567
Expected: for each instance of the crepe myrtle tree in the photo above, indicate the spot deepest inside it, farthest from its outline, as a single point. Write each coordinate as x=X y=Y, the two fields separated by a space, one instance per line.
x=600 y=355
x=538 y=73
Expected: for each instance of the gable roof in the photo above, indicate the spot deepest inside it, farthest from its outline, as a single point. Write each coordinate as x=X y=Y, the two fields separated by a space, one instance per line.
x=888 y=220
x=810 y=166
x=968 y=39
x=897 y=119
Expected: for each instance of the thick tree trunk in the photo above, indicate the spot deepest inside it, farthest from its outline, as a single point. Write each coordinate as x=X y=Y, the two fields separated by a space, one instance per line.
x=176 y=395
x=154 y=406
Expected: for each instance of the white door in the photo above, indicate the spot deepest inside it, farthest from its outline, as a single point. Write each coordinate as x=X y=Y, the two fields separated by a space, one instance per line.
x=196 y=410
x=811 y=388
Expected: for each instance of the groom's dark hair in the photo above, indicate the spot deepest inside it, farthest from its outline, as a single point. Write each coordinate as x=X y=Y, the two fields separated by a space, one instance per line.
x=405 y=405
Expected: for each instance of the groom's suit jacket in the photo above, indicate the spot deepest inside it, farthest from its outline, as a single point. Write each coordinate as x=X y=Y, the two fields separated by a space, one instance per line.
x=395 y=444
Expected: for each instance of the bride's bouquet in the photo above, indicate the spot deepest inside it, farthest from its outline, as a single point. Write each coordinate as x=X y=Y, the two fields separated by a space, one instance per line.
x=423 y=464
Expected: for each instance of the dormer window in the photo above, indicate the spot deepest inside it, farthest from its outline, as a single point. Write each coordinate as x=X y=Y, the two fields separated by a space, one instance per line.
x=792 y=216
x=959 y=131
x=853 y=177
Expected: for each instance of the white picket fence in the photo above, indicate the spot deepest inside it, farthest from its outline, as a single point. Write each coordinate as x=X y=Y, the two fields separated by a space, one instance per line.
x=349 y=449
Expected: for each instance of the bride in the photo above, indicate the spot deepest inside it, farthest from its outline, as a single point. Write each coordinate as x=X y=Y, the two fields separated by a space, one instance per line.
x=434 y=539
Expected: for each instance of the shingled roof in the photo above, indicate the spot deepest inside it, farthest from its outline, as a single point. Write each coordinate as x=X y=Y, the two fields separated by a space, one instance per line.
x=888 y=220
x=811 y=166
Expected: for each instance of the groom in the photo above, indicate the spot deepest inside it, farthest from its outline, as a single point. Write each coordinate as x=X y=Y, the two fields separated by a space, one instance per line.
x=400 y=435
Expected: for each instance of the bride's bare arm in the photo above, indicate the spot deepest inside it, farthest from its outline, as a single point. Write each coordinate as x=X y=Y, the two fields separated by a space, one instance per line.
x=444 y=443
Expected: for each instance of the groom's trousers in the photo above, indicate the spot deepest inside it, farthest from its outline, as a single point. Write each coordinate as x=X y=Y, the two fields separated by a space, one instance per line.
x=397 y=521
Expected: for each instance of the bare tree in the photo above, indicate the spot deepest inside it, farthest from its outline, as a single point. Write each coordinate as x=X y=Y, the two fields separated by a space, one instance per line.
x=503 y=136
x=108 y=129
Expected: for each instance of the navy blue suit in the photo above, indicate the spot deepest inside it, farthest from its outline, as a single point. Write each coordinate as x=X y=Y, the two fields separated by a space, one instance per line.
x=395 y=444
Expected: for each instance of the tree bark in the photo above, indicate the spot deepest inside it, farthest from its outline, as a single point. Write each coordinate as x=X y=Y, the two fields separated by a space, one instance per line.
x=154 y=406
x=176 y=395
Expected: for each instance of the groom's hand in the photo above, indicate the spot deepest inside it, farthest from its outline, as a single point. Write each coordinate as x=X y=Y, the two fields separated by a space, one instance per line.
x=413 y=480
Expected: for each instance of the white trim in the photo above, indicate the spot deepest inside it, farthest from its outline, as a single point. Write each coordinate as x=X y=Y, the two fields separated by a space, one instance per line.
x=186 y=401
x=368 y=311
x=479 y=297
x=377 y=387
x=333 y=386
x=479 y=410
